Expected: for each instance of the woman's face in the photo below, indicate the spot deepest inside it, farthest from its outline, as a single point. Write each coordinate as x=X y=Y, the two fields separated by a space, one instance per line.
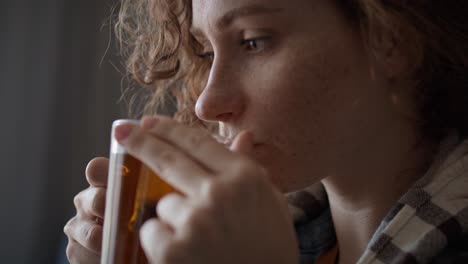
x=296 y=74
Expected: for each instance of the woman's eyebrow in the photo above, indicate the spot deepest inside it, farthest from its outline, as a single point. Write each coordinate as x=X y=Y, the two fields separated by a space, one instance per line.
x=244 y=11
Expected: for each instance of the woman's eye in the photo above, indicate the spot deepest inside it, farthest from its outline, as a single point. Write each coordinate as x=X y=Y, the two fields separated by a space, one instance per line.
x=255 y=44
x=251 y=45
x=207 y=56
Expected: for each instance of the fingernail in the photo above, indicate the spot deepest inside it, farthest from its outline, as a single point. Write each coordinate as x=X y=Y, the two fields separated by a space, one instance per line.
x=123 y=131
x=148 y=122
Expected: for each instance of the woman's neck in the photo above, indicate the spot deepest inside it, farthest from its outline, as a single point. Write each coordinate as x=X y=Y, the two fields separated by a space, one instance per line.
x=360 y=199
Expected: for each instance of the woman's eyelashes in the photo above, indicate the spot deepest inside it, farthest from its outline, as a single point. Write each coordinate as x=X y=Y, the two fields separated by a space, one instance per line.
x=250 y=45
x=207 y=56
x=255 y=45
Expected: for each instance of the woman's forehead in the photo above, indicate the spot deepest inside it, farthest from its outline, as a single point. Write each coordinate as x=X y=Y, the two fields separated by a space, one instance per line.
x=216 y=13
x=214 y=5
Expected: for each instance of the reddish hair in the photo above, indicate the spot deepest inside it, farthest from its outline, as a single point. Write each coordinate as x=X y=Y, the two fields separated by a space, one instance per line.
x=161 y=54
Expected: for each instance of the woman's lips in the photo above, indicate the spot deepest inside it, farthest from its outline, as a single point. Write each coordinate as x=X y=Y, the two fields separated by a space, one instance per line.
x=223 y=140
x=227 y=141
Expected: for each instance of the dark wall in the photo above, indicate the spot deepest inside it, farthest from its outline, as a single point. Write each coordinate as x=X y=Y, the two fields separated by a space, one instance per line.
x=59 y=93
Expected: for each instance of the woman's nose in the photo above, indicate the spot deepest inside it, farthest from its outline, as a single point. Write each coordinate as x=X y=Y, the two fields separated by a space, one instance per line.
x=222 y=99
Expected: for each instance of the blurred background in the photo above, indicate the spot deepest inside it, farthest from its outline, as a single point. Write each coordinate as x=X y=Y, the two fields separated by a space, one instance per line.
x=60 y=84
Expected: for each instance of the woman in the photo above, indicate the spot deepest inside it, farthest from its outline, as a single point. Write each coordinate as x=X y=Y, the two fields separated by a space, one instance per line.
x=356 y=109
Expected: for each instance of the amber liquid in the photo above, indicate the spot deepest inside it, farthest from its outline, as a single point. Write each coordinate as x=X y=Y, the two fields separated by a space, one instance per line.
x=133 y=192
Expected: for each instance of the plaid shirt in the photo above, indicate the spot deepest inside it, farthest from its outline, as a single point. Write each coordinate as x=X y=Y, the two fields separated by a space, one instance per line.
x=429 y=224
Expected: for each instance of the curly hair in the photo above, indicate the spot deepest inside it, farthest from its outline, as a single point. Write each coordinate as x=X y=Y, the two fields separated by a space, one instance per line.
x=161 y=54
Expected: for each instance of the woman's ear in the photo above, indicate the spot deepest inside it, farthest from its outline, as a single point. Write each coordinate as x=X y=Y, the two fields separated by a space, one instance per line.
x=397 y=52
x=397 y=56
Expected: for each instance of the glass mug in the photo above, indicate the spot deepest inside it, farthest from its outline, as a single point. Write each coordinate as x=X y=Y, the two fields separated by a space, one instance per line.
x=133 y=190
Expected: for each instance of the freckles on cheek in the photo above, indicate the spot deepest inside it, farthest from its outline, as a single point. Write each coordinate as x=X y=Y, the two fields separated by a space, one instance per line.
x=321 y=79
x=308 y=82
x=301 y=86
x=311 y=98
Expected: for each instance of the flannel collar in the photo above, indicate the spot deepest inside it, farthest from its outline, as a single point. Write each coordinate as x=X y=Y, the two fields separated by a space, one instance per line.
x=429 y=216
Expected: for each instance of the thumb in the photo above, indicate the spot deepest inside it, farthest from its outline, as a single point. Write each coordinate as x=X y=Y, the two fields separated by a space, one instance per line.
x=243 y=143
x=96 y=172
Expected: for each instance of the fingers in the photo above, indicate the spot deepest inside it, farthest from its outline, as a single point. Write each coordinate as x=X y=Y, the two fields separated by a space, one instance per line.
x=96 y=172
x=156 y=239
x=91 y=202
x=174 y=210
x=85 y=233
x=199 y=143
x=77 y=254
x=172 y=165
